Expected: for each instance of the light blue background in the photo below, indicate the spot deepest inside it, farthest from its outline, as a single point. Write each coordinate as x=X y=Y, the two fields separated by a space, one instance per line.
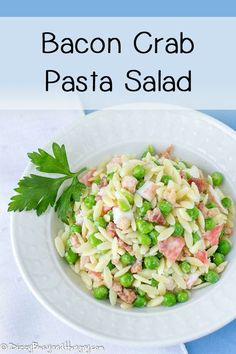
x=223 y=340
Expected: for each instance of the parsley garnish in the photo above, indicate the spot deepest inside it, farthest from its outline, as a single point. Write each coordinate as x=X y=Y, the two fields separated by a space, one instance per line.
x=36 y=192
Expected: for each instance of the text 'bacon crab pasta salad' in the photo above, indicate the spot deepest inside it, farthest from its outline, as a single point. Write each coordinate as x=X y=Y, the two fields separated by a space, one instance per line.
x=148 y=231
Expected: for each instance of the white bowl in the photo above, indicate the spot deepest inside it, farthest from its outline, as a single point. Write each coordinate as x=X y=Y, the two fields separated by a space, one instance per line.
x=197 y=138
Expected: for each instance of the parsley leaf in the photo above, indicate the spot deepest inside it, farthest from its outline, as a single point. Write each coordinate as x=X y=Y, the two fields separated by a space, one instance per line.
x=39 y=192
x=35 y=192
x=51 y=164
x=72 y=193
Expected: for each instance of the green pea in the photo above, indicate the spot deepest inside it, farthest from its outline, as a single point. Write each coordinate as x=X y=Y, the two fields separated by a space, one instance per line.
x=182 y=296
x=110 y=213
x=140 y=184
x=196 y=237
x=165 y=179
x=110 y=176
x=151 y=262
x=226 y=202
x=210 y=205
x=193 y=213
x=110 y=265
x=101 y=292
x=100 y=222
x=169 y=299
x=127 y=279
x=217 y=178
x=144 y=208
x=209 y=224
x=211 y=277
x=140 y=301
x=144 y=226
x=75 y=229
x=154 y=235
x=139 y=172
x=123 y=205
x=218 y=258
x=224 y=247
x=179 y=230
x=144 y=239
x=141 y=292
x=154 y=282
x=71 y=257
x=150 y=149
x=89 y=201
x=185 y=267
x=129 y=196
x=165 y=207
x=127 y=259
x=94 y=241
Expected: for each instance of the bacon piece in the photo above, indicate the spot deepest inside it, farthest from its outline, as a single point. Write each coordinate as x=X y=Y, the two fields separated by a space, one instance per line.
x=105 y=209
x=192 y=278
x=156 y=216
x=124 y=245
x=111 y=229
x=167 y=152
x=85 y=177
x=127 y=295
x=136 y=267
x=117 y=287
x=98 y=197
x=200 y=183
x=103 y=182
x=172 y=247
x=148 y=190
x=202 y=256
x=97 y=275
x=122 y=219
x=129 y=183
x=213 y=235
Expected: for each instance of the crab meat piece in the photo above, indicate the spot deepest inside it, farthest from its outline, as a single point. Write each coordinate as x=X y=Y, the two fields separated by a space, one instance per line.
x=129 y=183
x=148 y=190
x=122 y=219
x=172 y=247
x=215 y=198
x=191 y=280
x=213 y=235
x=79 y=218
x=111 y=229
x=193 y=171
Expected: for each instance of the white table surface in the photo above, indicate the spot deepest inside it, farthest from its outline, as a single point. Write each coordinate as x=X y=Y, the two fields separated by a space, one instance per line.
x=22 y=319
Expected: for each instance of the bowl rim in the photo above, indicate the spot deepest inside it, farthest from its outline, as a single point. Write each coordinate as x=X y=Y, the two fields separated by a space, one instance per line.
x=40 y=298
